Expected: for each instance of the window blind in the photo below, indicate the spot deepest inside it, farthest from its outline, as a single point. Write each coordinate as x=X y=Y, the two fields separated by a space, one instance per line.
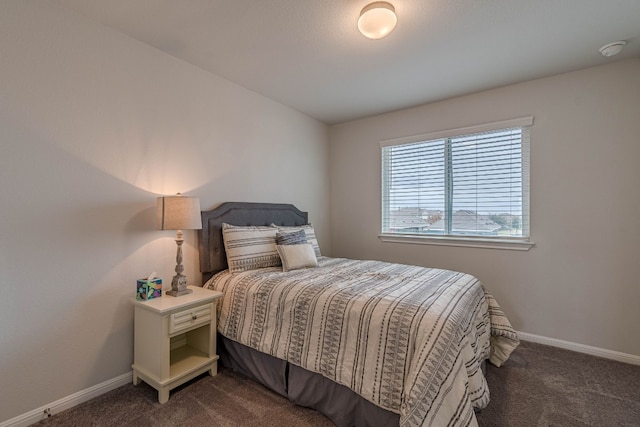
x=465 y=184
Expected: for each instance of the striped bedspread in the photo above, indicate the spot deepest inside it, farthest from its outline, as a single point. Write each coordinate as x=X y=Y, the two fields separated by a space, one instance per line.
x=409 y=339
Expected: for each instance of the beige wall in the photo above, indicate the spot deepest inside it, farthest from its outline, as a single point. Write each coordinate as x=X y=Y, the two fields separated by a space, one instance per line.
x=93 y=126
x=580 y=282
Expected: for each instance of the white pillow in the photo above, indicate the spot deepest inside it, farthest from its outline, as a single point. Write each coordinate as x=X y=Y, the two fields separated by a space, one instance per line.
x=310 y=232
x=250 y=247
x=295 y=257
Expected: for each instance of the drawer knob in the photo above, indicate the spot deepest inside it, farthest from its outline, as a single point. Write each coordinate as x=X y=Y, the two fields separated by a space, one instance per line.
x=194 y=316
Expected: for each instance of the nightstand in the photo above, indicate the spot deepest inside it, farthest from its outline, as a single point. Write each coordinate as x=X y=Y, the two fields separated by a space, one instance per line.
x=175 y=339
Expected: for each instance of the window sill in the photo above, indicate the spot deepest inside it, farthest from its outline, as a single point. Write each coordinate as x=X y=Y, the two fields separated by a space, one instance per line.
x=486 y=243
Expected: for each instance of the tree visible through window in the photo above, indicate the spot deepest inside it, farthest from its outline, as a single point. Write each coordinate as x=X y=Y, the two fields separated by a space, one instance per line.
x=471 y=183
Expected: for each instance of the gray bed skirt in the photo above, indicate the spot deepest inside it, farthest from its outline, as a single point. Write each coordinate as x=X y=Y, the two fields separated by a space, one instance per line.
x=341 y=405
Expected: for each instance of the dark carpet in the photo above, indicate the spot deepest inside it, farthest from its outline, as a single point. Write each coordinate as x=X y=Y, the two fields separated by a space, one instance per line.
x=548 y=386
x=538 y=386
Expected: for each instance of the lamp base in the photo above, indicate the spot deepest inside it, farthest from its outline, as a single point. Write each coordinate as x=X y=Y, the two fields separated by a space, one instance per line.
x=178 y=293
x=179 y=286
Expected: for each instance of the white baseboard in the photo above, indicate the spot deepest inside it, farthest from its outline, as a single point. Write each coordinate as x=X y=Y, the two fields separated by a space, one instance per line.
x=70 y=401
x=581 y=348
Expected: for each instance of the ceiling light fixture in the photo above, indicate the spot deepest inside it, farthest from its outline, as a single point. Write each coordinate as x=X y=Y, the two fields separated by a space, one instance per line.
x=377 y=19
x=611 y=49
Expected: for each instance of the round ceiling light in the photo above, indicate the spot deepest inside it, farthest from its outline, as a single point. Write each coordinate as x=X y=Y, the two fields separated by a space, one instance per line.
x=611 y=49
x=377 y=19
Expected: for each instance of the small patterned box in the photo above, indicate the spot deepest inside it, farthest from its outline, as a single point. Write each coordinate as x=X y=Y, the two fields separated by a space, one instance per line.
x=149 y=289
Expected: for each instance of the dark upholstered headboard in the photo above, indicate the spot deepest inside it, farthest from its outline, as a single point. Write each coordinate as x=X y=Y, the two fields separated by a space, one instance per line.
x=212 y=255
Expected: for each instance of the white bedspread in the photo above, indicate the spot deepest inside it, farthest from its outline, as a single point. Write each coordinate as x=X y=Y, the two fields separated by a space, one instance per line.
x=409 y=339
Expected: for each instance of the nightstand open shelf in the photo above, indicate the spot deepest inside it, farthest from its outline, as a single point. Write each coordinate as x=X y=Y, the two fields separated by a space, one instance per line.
x=189 y=351
x=175 y=340
x=186 y=358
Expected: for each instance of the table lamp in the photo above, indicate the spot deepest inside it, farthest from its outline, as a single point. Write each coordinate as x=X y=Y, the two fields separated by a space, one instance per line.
x=179 y=213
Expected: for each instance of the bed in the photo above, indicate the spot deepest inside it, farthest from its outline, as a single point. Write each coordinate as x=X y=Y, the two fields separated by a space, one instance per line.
x=367 y=343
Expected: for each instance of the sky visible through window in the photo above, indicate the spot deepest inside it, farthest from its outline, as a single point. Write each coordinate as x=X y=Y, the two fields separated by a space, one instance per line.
x=487 y=174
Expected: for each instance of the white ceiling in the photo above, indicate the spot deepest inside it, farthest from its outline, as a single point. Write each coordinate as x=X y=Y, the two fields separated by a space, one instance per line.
x=309 y=55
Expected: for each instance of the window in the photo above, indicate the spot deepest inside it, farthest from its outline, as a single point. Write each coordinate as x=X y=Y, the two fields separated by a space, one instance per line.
x=462 y=185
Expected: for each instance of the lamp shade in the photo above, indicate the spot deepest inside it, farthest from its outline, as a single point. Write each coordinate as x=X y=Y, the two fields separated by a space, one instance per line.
x=179 y=213
x=377 y=19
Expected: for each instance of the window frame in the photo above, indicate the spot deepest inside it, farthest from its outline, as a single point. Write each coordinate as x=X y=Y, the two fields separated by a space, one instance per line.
x=523 y=243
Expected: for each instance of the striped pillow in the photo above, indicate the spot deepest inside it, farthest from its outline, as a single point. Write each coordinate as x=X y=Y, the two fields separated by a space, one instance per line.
x=309 y=231
x=249 y=248
x=292 y=238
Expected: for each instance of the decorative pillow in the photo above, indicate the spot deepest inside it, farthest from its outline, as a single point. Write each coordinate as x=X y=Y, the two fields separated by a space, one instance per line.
x=295 y=257
x=309 y=231
x=251 y=247
x=292 y=238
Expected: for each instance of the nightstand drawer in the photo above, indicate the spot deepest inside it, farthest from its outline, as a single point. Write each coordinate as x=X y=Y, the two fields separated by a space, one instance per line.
x=186 y=319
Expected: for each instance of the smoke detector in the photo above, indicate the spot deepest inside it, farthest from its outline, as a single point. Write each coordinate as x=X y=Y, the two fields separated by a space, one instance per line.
x=611 y=49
